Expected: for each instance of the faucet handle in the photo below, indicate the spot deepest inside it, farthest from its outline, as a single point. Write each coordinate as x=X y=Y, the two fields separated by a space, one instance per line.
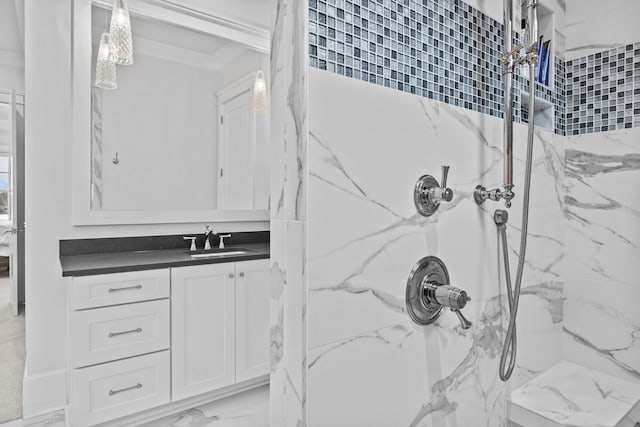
x=447 y=193
x=222 y=237
x=445 y=175
x=193 y=242
x=464 y=323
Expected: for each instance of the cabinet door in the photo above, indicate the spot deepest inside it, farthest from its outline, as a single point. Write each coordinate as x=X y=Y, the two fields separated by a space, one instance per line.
x=202 y=329
x=252 y=319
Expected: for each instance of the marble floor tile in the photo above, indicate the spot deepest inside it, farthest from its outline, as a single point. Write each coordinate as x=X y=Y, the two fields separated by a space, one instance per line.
x=248 y=409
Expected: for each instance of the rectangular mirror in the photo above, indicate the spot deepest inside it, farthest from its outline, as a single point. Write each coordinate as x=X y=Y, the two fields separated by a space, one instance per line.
x=179 y=133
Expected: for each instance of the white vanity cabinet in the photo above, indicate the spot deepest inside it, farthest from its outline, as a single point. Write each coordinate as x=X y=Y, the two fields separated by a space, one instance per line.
x=202 y=327
x=147 y=340
x=118 y=342
x=253 y=288
x=219 y=325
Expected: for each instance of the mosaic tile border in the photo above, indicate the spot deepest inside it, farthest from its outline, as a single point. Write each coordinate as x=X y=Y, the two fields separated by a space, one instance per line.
x=450 y=52
x=444 y=50
x=603 y=91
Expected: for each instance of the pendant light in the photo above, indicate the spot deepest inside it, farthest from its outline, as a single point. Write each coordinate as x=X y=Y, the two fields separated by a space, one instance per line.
x=260 y=100
x=105 y=67
x=120 y=40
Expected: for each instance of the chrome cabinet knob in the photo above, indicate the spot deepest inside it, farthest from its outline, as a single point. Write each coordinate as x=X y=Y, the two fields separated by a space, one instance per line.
x=241 y=274
x=230 y=275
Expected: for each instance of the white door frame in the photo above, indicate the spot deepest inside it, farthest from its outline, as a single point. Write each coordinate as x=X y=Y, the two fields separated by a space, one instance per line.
x=16 y=186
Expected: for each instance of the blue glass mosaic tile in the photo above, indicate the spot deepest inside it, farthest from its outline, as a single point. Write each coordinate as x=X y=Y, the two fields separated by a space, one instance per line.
x=440 y=49
x=603 y=91
x=450 y=52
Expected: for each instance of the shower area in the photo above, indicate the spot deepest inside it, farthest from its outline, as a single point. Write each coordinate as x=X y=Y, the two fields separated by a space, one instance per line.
x=369 y=96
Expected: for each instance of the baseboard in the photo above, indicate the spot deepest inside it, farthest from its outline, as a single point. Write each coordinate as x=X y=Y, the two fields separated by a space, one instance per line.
x=182 y=405
x=44 y=393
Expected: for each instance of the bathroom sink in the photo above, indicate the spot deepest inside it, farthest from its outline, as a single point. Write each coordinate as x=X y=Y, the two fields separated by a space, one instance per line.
x=215 y=253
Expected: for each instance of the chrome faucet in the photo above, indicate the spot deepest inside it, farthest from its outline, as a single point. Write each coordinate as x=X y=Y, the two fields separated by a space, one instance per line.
x=208 y=232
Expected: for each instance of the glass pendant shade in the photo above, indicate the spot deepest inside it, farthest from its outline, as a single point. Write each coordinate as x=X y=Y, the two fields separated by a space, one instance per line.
x=120 y=40
x=105 y=67
x=260 y=100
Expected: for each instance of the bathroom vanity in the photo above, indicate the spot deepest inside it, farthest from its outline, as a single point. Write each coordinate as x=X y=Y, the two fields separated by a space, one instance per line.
x=155 y=331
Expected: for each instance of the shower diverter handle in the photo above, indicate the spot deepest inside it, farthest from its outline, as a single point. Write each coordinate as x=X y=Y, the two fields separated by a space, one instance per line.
x=441 y=193
x=447 y=296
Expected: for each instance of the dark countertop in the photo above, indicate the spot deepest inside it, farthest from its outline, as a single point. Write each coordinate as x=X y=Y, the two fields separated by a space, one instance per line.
x=117 y=262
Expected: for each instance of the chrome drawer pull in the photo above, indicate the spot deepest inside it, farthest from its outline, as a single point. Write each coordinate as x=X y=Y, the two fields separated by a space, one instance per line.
x=127 y=288
x=132 y=331
x=133 y=387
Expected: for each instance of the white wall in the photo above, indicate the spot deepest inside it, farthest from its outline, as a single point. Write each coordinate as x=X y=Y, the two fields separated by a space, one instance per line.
x=12 y=77
x=47 y=138
x=162 y=123
x=48 y=201
x=595 y=25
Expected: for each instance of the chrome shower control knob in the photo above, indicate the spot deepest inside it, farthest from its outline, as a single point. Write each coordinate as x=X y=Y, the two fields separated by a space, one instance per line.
x=448 y=296
x=428 y=194
x=428 y=292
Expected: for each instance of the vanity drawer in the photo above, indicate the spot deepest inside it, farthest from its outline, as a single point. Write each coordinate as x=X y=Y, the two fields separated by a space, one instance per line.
x=112 y=390
x=119 y=288
x=111 y=333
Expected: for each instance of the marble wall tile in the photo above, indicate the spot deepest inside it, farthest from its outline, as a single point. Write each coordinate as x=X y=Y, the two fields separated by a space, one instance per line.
x=276 y=310
x=289 y=171
x=364 y=237
x=289 y=91
x=594 y=25
x=409 y=376
x=603 y=237
x=602 y=326
x=288 y=323
x=357 y=275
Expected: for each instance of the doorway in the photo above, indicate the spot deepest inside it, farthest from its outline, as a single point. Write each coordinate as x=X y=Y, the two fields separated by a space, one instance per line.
x=12 y=290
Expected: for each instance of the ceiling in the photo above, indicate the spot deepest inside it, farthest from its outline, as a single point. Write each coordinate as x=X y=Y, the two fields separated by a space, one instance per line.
x=254 y=12
x=173 y=43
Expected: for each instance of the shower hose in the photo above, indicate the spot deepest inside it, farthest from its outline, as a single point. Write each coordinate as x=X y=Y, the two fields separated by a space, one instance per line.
x=509 y=348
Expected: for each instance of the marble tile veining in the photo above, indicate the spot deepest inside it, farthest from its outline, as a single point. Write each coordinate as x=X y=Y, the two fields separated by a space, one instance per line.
x=247 y=409
x=603 y=213
x=360 y=256
x=571 y=395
